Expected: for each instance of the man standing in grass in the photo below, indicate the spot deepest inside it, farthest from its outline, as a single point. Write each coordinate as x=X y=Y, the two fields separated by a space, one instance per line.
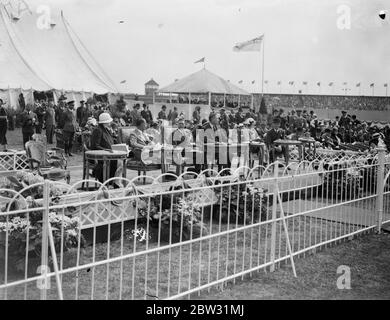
x=50 y=122
x=3 y=125
x=28 y=122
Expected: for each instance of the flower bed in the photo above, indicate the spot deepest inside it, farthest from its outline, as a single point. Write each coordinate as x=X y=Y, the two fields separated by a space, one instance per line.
x=240 y=203
x=22 y=233
x=342 y=182
x=175 y=217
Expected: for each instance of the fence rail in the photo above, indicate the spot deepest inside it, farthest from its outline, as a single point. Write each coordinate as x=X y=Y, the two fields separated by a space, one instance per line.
x=173 y=240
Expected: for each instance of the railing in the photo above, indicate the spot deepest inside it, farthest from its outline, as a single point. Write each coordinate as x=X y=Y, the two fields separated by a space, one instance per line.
x=173 y=240
x=13 y=160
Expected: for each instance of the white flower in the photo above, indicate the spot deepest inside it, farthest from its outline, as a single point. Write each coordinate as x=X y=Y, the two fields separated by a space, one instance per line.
x=72 y=233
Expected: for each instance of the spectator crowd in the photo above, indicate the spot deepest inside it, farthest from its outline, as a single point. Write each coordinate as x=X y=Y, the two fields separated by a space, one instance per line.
x=275 y=101
x=263 y=127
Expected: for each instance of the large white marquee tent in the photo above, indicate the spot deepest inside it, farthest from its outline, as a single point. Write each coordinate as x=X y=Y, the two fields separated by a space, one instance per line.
x=35 y=58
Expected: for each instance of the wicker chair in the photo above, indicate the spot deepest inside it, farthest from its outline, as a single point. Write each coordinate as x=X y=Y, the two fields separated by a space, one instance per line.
x=133 y=164
x=50 y=167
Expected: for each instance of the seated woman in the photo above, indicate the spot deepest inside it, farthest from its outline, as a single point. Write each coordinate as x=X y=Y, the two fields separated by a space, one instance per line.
x=138 y=139
x=102 y=138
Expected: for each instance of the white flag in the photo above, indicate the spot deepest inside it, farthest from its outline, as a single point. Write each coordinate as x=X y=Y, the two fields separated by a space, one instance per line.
x=251 y=45
x=200 y=60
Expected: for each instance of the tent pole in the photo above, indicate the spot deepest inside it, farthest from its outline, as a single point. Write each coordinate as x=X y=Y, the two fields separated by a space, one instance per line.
x=9 y=96
x=224 y=100
x=210 y=99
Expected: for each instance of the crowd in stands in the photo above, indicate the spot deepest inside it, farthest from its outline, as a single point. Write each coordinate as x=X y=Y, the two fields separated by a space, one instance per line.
x=217 y=100
x=323 y=102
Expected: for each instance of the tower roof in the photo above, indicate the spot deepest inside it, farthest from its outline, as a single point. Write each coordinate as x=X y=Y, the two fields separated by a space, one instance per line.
x=151 y=82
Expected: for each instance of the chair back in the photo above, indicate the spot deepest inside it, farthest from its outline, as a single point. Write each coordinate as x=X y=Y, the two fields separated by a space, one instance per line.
x=167 y=134
x=86 y=141
x=124 y=134
x=36 y=150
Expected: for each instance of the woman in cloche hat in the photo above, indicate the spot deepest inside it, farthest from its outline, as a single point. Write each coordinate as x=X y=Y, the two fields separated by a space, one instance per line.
x=102 y=138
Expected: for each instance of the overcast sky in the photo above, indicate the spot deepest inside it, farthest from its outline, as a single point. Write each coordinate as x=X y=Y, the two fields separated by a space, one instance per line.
x=162 y=39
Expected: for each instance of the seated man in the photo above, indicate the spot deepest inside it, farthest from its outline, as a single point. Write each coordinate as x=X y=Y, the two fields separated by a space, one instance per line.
x=154 y=132
x=272 y=135
x=181 y=136
x=138 y=139
x=299 y=133
x=327 y=140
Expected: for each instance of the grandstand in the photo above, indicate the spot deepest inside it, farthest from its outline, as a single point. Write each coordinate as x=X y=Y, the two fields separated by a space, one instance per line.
x=328 y=106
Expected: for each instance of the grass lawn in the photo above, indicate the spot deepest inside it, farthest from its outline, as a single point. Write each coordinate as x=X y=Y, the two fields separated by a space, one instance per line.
x=368 y=258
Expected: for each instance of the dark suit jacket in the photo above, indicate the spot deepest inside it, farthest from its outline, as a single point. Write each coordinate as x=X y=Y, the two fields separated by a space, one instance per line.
x=50 y=117
x=273 y=135
x=69 y=120
x=101 y=138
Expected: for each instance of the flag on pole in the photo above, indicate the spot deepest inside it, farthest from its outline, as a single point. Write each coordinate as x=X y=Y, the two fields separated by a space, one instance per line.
x=358 y=84
x=385 y=85
x=330 y=84
x=123 y=81
x=319 y=84
x=240 y=81
x=304 y=83
x=200 y=60
x=251 y=45
x=291 y=83
x=372 y=85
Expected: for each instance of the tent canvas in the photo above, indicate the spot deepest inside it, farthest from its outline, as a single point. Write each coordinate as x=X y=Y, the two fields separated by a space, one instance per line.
x=42 y=59
x=203 y=81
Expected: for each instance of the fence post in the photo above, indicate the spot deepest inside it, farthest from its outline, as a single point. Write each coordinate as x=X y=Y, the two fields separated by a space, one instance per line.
x=380 y=186
x=44 y=252
x=274 y=207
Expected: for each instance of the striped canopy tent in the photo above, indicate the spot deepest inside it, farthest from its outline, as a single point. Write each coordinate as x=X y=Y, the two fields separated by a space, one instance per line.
x=203 y=82
x=39 y=56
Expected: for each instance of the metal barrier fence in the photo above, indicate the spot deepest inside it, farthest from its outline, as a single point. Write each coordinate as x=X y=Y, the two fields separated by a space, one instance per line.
x=173 y=240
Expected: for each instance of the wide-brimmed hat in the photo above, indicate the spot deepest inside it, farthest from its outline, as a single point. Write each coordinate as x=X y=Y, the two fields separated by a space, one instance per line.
x=62 y=98
x=105 y=118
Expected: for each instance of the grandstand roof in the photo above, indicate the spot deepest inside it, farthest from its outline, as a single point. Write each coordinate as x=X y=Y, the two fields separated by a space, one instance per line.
x=46 y=58
x=203 y=81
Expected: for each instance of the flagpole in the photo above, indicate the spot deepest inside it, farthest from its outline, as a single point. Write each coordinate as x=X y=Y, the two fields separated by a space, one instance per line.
x=262 y=68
